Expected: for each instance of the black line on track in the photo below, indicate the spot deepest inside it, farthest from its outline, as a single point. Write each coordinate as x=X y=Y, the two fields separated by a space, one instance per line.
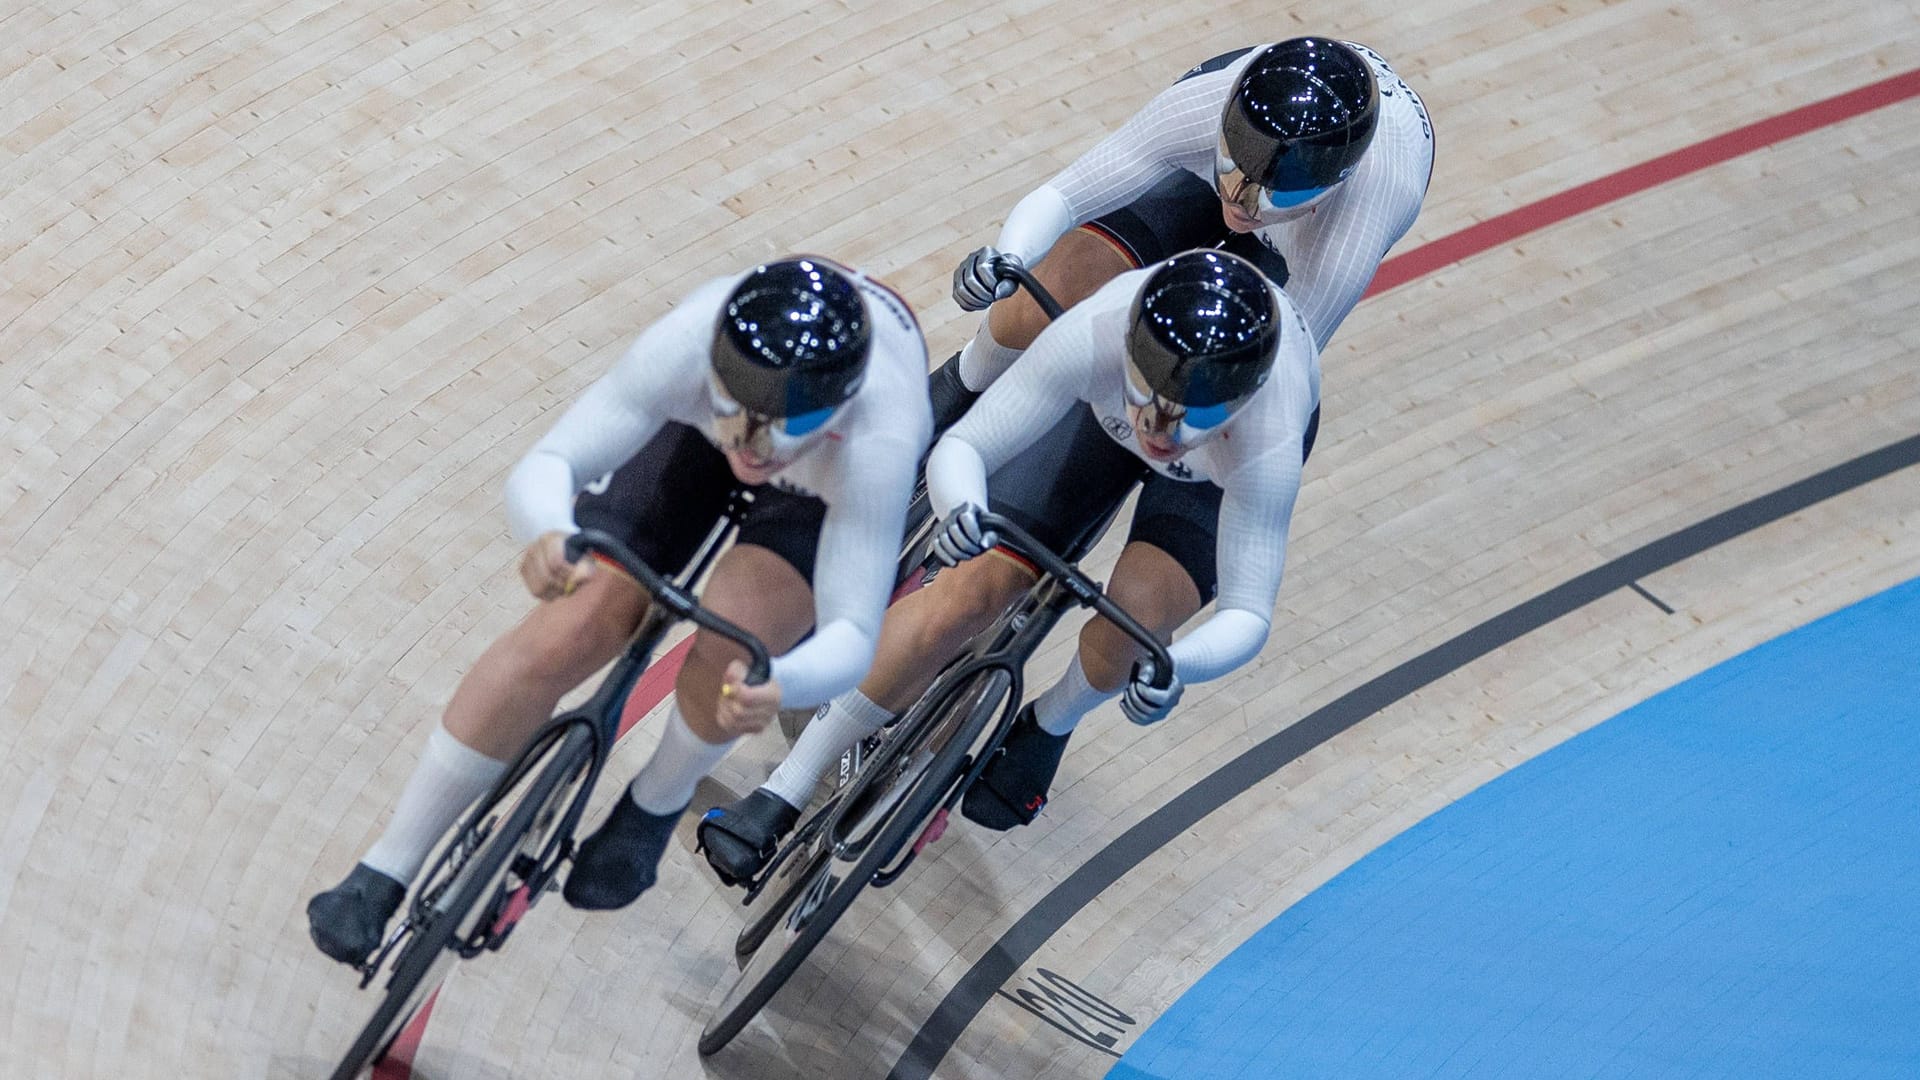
x=968 y=996
x=1649 y=597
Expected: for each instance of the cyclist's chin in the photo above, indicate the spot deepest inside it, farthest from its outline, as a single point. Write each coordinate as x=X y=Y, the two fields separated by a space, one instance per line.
x=1159 y=448
x=750 y=469
x=1237 y=220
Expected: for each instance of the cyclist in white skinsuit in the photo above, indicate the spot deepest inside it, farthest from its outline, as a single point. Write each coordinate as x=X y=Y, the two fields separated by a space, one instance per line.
x=1196 y=378
x=800 y=381
x=1308 y=157
x=1348 y=186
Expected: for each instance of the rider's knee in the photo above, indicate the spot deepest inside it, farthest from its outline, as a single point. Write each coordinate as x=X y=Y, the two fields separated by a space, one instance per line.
x=972 y=600
x=1079 y=263
x=707 y=660
x=1152 y=605
x=761 y=592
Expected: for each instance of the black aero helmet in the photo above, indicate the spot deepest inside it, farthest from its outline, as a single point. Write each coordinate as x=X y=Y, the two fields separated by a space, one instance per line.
x=792 y=342
x=1300 y=116
x=1204 y=332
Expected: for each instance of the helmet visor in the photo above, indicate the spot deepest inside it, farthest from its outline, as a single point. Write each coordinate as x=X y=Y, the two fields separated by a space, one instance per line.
x=1162 y=420
x=1256 y=200
x=767 y=439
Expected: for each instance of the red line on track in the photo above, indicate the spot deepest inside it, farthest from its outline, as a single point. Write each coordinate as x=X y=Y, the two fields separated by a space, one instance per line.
x=1554 y=209
x=1399 y=270
x=654 y=685
x=398 y=1064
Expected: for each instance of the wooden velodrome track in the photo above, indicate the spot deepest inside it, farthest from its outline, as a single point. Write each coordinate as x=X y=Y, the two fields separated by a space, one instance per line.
x=286 y=287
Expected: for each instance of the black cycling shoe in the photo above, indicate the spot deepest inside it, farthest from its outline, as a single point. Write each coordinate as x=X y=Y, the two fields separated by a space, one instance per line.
x=1012 y=789
x=348 y=920
x=741 y=838
x=620 y=860
x=951 y=398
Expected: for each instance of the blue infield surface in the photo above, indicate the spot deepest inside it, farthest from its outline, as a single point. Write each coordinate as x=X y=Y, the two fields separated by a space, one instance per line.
x=1723 y=881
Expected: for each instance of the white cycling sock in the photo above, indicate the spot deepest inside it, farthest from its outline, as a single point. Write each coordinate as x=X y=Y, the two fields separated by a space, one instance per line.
x=450 y=776
x=665 y=783
x=1060 y=707
x=847 y=719
x=984 y=360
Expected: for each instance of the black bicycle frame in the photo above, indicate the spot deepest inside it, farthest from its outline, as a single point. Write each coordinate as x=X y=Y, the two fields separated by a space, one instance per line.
x=1006 y=647
x=672 y=601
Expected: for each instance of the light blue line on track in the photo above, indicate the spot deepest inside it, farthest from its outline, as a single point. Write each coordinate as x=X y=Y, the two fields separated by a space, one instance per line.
x=1723 y=881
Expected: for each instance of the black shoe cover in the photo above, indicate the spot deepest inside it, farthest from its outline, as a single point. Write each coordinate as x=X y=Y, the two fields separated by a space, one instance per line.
x=620 y=860
x=739 y=839
x=348 y=920
x=1012 y=789
x=951 y=398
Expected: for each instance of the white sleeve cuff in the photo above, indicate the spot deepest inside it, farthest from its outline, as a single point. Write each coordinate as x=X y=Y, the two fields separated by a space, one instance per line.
x=539 y=496
x=1231 y=638
x=956 y=475
x=824 y=666
x=1036 y=222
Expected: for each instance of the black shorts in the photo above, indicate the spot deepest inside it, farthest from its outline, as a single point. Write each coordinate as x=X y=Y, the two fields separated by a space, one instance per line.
x=1066 y=487
x=1179 y=214
x=664 y=500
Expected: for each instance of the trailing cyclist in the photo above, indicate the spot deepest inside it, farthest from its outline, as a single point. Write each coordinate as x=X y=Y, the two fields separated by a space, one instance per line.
x=800 y=381
x=1308 y=157
x=1196 y=378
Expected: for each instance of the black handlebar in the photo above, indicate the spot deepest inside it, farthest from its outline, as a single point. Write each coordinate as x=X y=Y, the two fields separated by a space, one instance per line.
x=672 y=597
x=1084 y=589
x=1007 y=268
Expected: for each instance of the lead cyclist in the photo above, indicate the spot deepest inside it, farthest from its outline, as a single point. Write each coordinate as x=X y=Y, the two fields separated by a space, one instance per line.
x=799 y=381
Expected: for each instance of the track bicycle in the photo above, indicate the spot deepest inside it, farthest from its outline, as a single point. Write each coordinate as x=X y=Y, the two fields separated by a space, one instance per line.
x=510 y=848
x=900 y=798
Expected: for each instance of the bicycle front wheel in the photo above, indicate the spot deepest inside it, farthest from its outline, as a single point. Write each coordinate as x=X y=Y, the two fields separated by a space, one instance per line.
x=815 y=899
x=423 y=962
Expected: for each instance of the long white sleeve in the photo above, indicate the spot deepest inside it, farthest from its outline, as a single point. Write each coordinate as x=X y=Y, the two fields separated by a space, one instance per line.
x=1177 y=129
x=1036 y=223
x=853 y=569
x=956 y=476
x=1047 y=380
x=659 y=373
x=1228 y=639
x=1254 y=516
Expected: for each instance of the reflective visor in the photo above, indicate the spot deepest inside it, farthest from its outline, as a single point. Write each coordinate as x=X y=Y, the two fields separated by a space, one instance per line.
x=767 y=438
x=1256 y=200
x=1153 y=413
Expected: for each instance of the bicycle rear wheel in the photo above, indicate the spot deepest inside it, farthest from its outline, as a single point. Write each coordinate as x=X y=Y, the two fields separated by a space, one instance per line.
x=423 y=961
x=815 y=898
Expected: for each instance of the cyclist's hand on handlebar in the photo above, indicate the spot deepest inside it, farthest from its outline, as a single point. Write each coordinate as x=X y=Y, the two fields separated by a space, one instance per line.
x=977 y=281
x=546 y=571
x=1144 y=703
x=962 y=536
x=744 y=709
